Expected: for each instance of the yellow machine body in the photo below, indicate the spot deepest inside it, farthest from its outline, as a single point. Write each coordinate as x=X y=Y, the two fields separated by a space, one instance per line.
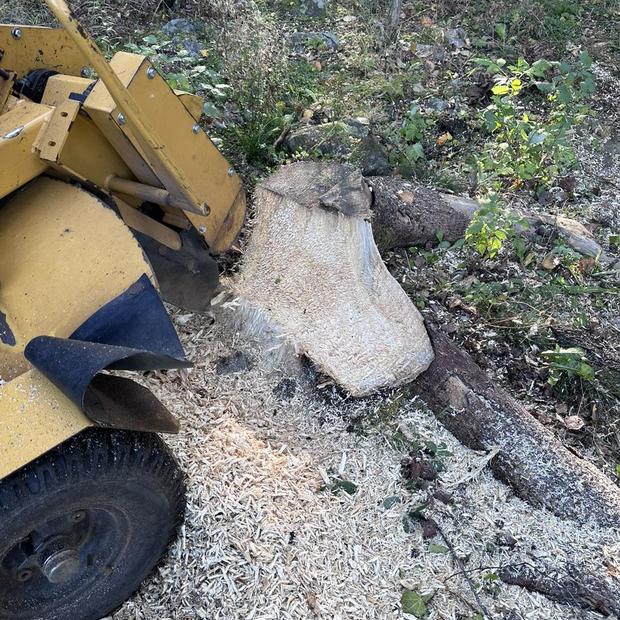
x=64 y=253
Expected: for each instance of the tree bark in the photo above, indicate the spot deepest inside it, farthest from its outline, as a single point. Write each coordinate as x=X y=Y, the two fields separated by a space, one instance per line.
x=406 y=213
x=570 y=586
x=530 y=459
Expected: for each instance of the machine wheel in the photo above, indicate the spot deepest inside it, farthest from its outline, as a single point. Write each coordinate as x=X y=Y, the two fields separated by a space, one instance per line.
x=85 y=523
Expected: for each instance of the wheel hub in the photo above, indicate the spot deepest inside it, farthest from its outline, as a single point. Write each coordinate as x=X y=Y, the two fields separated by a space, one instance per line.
x=61 y=565
x=52 y=551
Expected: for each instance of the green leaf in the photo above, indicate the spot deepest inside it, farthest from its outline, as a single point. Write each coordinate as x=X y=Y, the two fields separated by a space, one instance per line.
x=500 y=29
x=536 y=137
x=500 y=89
x=540 y=67
x=545 y=87
x=413 y=603
x=618 y=469
x=211 y=110
x=415 y=152
x=434 y=548
x=388 y=502
x=344 y=485
x=585 y=59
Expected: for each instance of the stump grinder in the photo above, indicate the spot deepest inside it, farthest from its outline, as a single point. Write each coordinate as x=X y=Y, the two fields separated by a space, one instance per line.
x=112 y=198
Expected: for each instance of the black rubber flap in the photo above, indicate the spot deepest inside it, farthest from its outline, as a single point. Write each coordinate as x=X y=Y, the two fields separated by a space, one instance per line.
x=131 y=332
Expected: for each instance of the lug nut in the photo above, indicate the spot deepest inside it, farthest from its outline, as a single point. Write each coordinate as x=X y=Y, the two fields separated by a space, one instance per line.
x=196 y=128
x=202 y=229
x=17 y=33
x=24 y=574
x=151 y=73
x=78 y=516
x=120 y=118
x=230 y=172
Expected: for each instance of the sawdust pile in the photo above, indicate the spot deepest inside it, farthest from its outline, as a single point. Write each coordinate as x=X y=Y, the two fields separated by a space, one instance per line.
x=265 y=539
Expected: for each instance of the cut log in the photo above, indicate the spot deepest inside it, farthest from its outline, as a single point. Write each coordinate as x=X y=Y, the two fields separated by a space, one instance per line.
x=405 y=213
x=312 y=273
x=570 y=586
x=531 y=460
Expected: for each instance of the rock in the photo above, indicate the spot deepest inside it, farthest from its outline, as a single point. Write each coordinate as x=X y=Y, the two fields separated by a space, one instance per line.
x=303 y=40
x=230 y=364
x=314 y=8
x=350 y=139
x=438 y=105
x=193 y=47
x=456 y=37
x=327 y=139
x=179 y=26
x=372 y=158
x=439 y=54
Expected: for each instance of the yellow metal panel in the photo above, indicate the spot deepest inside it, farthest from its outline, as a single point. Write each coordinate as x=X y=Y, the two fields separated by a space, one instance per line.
x=59 y=87
x=6 y=88
x=34 y=417
x=206 y=177
x=89 y=156
x=64 y=255
x=19 y=129
x=54 y=137
x=193 y=103
x=39 y=48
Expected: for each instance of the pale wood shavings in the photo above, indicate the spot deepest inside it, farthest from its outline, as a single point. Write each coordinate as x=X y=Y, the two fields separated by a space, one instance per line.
x=263 y=541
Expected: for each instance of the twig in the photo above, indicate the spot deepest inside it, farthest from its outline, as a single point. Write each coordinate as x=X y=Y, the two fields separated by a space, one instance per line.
x=472 y=474
x=280 y=139
x=470 y=583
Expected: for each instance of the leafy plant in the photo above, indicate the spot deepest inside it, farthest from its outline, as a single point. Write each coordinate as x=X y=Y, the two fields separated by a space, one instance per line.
x=567 y=364
x=491 y=227
x=530 y=142
x=414 y=133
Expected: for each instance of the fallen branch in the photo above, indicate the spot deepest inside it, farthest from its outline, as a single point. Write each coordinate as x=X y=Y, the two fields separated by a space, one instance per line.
x=570 y=586
x=406 y=214
x=530 y=459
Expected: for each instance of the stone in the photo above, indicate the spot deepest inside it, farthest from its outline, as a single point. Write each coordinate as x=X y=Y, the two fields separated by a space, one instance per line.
x=193 y=47
x=326 y=139
x=457 y=37
x=314 y=8
x=372 y=158
x=350 y=139
x=183 y=26
x=301 y=41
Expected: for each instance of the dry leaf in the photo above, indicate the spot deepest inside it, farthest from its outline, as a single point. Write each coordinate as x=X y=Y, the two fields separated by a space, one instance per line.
x=550 y=262
x=426 y=21
x=574 y=422
x=443 y=138
x=405 y=196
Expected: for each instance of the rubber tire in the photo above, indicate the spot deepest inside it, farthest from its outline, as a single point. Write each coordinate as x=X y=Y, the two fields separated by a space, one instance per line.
x=131 y=472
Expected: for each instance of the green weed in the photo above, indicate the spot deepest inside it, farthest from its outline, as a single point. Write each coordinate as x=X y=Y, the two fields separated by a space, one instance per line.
x=529 y=144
